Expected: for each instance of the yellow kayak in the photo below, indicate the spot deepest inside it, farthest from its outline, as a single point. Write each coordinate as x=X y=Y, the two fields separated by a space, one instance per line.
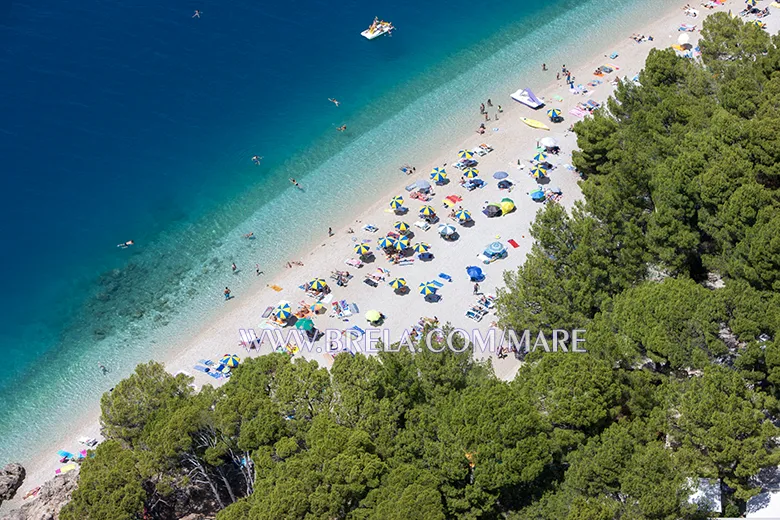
x=533 y=123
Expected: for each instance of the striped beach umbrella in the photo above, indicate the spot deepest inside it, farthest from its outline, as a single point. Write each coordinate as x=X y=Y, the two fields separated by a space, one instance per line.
x=438 y=171
x=540 y=157
x=553 y=112
x=439 y=177
x=465 y=154
x=427 y=211
x=751 y=3
x=317 y=307
x=386 y=242
x=446 y=230
x=397 y=283
x=283 y=311
x=230 y=360
x=362 y=249
x=402 y=243
x=318 y=284
x=758 y=23
x=470 y=173
x=538 y=171
x=396 y=202
x=463 y=215
x=403 y=227
x=427 y=288
x=422 y=247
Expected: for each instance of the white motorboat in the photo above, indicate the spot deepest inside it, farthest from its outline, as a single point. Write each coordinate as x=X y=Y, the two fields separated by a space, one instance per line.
x=377 y=29
x=526 y=97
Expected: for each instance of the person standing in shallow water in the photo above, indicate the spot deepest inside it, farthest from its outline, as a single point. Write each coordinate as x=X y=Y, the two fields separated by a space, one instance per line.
x=226 y=292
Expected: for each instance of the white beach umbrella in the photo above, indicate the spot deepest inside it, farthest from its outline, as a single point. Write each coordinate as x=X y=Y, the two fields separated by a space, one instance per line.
x=548 y=142
x=683 y=39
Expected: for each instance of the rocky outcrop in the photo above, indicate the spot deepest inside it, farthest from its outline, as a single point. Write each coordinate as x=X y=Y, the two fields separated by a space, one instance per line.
x=196 y=516
x=53 y=495
x=11 y=477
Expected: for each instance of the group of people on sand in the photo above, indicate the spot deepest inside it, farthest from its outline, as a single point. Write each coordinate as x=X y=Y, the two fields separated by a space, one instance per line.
x=641 y=38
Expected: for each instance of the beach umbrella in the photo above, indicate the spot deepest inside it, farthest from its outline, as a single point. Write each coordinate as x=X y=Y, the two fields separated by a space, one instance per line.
x=495 y=248
x=470 y=173
x=538 y=171
x=373 y=316
x=421 y=247
x=386 y=242
x=463 y=215
x=493 y=210
x=437 y=170
x=548 y=142
x=422 y=185
x=465 y=154
x=317 y=307
x=751 y=3
x=474 y=272
x=401 y=226
x=230 y=360
x=398 y=283
x=507 y=206
x=283 y=311
x=427 y=288
x=402 y=243
x=537 y=195
x=304 y=324
x=553 y=112
x=540 y=157
x=683 y=39
x=362 y=249
x=396 y=202
x=427 y=211
x=500 y=175
x=504 y=184
x=446 y=230
x=555 y=189
x=758 y=23
x=439 y=178
x=318 y=284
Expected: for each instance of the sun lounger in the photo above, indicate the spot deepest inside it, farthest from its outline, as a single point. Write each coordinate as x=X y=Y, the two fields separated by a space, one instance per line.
x=370 y=282
x=479 y=151
x=474 y=315
x=578 y=112
x=486 y=147
x=437 y=283
x=206 y=362
x=358 y=329
x=267 y=312
x=370 y=228
x=215 y=375
x=87 y=441
x=201 y=368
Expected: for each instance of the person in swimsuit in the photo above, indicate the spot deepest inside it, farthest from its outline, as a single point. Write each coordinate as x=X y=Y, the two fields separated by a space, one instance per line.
x=342 y=128
x=197 y=14
x=295 y=183
x=125 y=245
x=256 y=159
x=334 y=101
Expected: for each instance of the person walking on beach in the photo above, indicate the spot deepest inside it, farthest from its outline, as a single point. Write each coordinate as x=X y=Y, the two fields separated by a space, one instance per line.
x=234 y=267
x=476 y=288
x=226 y=292
x=500 y=110
x=489 y=103
x=487 y=117
x=330 y=232
x=482 y=108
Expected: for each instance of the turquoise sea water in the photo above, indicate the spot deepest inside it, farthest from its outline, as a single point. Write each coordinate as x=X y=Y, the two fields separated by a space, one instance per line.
x=137 y=121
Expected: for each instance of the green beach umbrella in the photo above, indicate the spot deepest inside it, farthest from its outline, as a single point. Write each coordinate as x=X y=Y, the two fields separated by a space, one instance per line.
x=403 y=227
x=283 y=311
x=538 y=171
x=372 y=316
x=386 y=242
x=470 y=173
x=362 y=249
x=427 y=211
x=422 y=247
x=396 y=202
x=465 y=154
x=304 y=324
x=427 y=288
x=463 y=215
x=398 y=283
x=402 y=243
x=540 y=157
x=318 y=284
x=553 y=112
x=230 y=360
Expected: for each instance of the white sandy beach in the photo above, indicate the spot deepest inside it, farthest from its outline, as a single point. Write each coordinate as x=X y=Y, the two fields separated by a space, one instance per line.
x=514 y=140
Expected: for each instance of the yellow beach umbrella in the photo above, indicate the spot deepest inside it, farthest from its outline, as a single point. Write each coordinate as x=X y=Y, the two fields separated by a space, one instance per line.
x=463 y=215
x=403 y=227
x=402 y=243
x=231 y=360
x=422 y=247
x=398 y=283
x=386 y=242
x=396 y=202
x=465 y=154
x=362 y=249
x=470 y=173
x=538 y=171
x=427 y=211
x=283 y=311
x=318 y=284
x=427 y=288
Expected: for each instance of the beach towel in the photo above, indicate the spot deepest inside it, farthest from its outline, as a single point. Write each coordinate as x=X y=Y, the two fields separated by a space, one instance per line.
x=613 y=55
x=437 y=283
x=557 y=98
x=276 y=288
x=577 y=112
x=358 y=329
x=445 y=276
x=513 y=243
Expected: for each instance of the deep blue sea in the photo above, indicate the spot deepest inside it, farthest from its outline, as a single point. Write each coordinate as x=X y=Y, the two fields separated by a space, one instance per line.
x=133 y=120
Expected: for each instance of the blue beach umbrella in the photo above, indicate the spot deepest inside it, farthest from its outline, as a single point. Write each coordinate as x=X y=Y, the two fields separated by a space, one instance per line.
x=463 y=215
x=495 y=248
x=751 y=3
x=470 y=173
x=427 y=211
x=427 y=288
x=230 y=360
x=421 y=247
x=396 y=202
x=500 y=175
x=283 y=311
x=403 y=227
x=537 y=195
x=465 y=154
x=362 y=249
x=538 y=171
x=402 y=243
x=439 y=178
x=553 y=112
x=474 y=272
x=438 y=171
x=397 y=283
x=540 y=157
x=446 y=230
x=318 y=284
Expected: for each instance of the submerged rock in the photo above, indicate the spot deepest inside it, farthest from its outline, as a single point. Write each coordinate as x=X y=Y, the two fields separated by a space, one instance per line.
x=11 y=477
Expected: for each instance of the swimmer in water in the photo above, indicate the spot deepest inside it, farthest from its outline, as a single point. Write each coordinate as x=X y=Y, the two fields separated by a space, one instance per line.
x=251 y=234
x=256 y=159
x=342 y=128
x=125 y=245
x=295 y=183
x=334 y=101
x=197 y=14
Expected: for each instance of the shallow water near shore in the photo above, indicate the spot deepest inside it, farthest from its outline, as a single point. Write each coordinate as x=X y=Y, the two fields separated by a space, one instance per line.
x=139 y=122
